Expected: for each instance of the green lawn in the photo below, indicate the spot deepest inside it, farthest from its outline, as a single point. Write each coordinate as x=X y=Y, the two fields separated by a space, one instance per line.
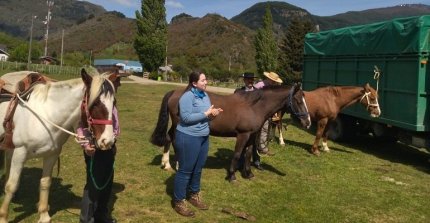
x=366 y=181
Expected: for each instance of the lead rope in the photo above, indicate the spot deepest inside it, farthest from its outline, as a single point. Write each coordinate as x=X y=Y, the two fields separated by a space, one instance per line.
x=77 y=138
x=94 y=179
x=376 y=75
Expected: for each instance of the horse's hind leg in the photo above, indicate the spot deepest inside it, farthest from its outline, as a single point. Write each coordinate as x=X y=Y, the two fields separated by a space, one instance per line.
x=45 y=184
x=12 y=183
x=281 y=137
x=165 y=160
x=247 y=172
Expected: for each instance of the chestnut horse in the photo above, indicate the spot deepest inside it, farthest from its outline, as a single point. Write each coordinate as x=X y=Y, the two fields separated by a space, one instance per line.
x=42 y=124
x=243 y=116
x=325 y=103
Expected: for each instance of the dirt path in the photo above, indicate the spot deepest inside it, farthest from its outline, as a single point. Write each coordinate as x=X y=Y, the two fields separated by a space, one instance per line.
x=140 y=80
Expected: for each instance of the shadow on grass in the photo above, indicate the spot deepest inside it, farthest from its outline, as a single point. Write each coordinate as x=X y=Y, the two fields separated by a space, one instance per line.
x=27 y=195
x=307 y=147
x=170 y=185
x=388 y=150
x=60 y=197
x=392 y=151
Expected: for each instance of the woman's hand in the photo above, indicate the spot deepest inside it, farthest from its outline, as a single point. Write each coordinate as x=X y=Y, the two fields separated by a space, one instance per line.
x=213 y=112
x=89 y=150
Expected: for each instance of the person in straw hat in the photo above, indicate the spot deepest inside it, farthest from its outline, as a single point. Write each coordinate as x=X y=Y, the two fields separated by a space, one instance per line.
x=272 y=78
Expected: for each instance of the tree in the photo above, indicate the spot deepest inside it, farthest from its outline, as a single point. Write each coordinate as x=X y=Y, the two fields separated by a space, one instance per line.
x=20 y=53
x=291 y=49
x=265 y=45
x=151 y=38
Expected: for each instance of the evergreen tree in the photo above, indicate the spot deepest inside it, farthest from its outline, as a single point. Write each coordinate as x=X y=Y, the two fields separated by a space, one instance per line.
x=291 y=49
x=265 y=45
x=151 y=38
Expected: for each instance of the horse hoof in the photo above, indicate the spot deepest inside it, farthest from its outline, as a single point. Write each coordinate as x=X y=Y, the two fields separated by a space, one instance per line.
x=250 y=176
x=316 y=152
x=231 y=178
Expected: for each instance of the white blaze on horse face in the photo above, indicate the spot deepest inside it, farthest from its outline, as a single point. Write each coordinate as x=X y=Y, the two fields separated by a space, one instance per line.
x=308 y=116
x=107 y=138
x=378 y=109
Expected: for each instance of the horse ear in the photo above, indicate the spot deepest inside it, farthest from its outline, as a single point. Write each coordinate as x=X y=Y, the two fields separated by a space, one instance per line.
x=113 y=77
x=367 y=86
x=299 y=85
x=86 y=77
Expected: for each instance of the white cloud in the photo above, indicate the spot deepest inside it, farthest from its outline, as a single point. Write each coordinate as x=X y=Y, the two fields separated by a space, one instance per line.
x=126 y=2
x=174 y=4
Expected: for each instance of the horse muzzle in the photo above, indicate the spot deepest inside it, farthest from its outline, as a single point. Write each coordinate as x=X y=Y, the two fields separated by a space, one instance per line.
x=105 y=143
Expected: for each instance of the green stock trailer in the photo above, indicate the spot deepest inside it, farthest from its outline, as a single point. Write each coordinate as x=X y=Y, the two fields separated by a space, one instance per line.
x=392 y=56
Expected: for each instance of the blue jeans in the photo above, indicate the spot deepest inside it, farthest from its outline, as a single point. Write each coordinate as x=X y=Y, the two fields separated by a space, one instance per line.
x=191 y=152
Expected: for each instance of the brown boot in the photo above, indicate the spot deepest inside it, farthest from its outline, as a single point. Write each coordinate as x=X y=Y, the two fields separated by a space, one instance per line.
x=182 y=208
x=196 y=201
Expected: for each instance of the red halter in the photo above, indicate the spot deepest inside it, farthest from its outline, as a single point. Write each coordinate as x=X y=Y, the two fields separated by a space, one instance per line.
x=90 y=120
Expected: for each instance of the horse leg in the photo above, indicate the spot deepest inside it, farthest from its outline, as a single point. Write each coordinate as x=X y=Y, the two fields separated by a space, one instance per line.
x=324 y=140
x=281 y=137
x=45 y=184
x=165 y=163
x=12 y=182
x=320 y=129
x=246 y=171
x=165 y=160
x=241 y=140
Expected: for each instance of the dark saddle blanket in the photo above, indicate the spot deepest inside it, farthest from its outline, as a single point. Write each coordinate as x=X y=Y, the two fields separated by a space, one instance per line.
x=12 y=85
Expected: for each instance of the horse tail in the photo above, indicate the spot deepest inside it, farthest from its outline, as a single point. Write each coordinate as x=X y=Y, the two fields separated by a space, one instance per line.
x=159 y=136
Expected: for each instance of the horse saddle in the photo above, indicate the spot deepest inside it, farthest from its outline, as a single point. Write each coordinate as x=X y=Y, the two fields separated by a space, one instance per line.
x=12 y=85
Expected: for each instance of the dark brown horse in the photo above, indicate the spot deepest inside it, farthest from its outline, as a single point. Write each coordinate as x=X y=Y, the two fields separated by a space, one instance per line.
x=325 y=103
x=243 y=116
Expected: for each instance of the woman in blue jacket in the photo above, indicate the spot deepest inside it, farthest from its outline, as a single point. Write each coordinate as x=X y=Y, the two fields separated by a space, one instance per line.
x=192 y=143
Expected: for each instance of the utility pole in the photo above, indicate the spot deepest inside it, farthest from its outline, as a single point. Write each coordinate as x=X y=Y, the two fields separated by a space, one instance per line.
x=46 y=22
x=29 y=45
x=62 y=47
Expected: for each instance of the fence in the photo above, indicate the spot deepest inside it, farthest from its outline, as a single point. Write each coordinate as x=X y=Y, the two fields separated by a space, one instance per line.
x=65 y=72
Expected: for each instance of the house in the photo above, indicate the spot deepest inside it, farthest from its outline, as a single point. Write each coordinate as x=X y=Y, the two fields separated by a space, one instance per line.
x=3 y=55
x=47 y=60
x=126 y=66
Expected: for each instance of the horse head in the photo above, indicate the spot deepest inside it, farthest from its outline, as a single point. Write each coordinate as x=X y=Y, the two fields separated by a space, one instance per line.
x=370 y=100
x=97 y=107
x=297 y=105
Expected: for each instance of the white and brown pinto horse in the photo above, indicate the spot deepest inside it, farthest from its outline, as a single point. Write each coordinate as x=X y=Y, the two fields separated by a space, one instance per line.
x=325 y=103
x=64 y=103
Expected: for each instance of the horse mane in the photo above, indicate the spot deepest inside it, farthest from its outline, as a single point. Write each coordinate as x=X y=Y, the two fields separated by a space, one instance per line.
x=252 y=97
x=96 y=87
x=336 y=90
x=41 y=90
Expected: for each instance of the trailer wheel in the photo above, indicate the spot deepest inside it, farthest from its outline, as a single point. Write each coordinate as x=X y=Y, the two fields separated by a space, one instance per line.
x=383 y=133
x=342 y=128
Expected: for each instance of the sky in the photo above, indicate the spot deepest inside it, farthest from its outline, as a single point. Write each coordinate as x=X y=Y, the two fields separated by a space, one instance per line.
x=230 y=8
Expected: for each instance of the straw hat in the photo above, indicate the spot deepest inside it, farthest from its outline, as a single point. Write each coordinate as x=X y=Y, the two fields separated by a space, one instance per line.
x=273 y=76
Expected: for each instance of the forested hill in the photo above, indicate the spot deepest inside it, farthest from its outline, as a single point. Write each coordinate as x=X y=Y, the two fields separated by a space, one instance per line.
x=15 y=15
x=283 y=12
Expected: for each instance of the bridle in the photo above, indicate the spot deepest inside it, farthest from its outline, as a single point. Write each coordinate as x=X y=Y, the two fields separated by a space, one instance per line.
x=291 y=106
x=90 y=121
x=366 y=95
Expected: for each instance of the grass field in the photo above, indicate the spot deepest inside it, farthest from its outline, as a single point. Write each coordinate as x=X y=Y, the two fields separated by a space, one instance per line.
x=365 y=181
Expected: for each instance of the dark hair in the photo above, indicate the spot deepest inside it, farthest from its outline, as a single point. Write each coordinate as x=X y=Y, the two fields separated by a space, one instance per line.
x=193 y=77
